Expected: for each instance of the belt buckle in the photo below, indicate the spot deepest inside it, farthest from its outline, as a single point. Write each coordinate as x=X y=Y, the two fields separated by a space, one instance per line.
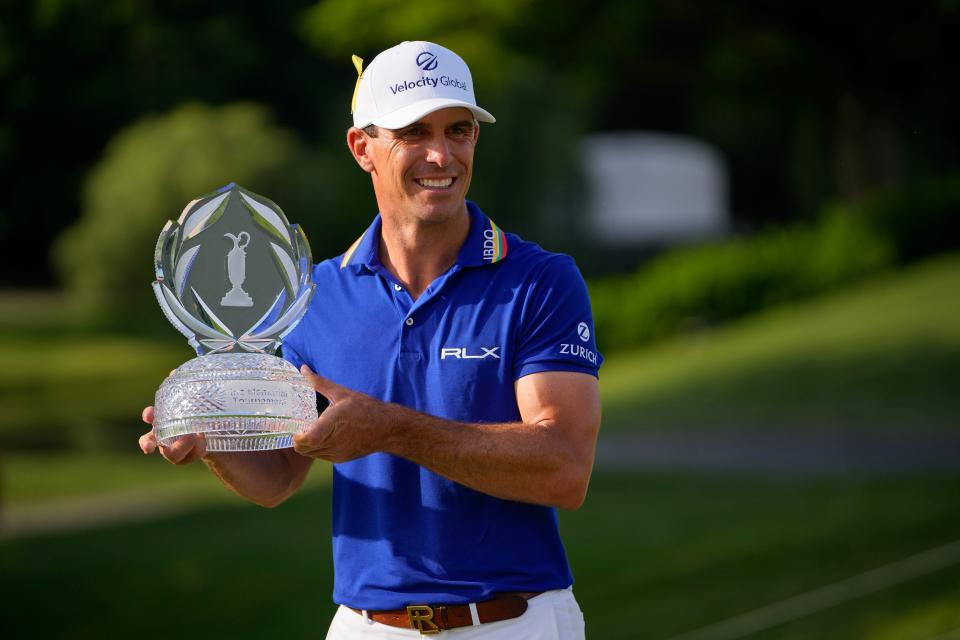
x=421 y=619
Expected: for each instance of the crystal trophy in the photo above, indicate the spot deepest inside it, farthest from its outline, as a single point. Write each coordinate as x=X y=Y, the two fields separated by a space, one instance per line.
x=233 y=276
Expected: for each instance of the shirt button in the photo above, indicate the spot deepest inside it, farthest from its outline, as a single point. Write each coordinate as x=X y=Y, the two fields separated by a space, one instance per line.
x=409 y=321
x=398 y=287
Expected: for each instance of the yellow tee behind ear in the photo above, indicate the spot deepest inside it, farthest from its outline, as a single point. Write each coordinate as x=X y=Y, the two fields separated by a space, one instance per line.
x=358 y=63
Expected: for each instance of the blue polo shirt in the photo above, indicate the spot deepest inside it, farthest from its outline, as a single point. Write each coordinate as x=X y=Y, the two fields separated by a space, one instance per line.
x=401 y=533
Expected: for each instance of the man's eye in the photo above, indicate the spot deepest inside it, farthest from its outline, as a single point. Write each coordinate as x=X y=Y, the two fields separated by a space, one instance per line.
x=413 y=131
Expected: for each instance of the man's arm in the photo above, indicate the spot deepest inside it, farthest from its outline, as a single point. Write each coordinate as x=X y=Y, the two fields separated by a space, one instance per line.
x=545 y=459
x=264 y=477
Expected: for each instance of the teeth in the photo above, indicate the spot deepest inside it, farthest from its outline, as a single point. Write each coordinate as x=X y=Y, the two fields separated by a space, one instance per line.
x=438 y=184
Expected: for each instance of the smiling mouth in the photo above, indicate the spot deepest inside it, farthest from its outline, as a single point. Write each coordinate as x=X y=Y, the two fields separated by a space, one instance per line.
x=438 y=184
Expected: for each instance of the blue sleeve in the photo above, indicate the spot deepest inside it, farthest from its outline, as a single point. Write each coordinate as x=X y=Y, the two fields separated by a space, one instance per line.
x=556 y=327
x=290 y=354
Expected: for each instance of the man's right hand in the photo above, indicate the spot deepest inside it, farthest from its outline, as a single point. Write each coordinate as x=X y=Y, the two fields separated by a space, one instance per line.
x=184 y=450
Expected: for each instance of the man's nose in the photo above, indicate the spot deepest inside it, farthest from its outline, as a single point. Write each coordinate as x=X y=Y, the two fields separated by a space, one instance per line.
x=438 y=151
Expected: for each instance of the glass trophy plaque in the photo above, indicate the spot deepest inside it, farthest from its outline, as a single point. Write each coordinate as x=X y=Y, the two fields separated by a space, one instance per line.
x=233 y=276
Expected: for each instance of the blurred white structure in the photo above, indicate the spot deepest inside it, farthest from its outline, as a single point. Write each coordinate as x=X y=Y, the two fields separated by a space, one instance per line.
x=654 y=188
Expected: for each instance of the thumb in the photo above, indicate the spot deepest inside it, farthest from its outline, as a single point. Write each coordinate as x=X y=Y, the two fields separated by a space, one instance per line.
x=328 y=389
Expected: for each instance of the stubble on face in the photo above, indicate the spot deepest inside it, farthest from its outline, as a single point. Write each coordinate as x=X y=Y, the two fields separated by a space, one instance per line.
x=422 y=172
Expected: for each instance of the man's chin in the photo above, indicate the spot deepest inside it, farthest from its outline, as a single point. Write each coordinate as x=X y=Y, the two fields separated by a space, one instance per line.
x=441 y=211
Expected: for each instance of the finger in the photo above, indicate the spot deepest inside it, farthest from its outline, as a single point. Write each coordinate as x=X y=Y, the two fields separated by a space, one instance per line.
x=309 y=450
x=311 y=442
x=200 y=448
x=147 y=415
x=181 y=450
x=299 y=443
x=328 y=389
x=303 y=443
x=148 y=442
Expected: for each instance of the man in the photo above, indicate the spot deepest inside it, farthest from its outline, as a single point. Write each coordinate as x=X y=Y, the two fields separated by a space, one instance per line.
x=460 y=367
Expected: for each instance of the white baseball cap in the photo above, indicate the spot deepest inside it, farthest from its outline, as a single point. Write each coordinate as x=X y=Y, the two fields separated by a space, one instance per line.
x=408 y=81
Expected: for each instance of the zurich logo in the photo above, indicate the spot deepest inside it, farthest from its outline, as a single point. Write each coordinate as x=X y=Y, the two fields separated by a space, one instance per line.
x=583 y=331
x=427 y=61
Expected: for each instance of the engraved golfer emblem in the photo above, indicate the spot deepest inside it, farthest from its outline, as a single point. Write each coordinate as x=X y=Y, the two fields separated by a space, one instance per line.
x=237 y=272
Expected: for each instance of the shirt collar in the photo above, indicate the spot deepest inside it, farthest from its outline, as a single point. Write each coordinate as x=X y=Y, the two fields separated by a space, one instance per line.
x=486 y=243
x=365 y=250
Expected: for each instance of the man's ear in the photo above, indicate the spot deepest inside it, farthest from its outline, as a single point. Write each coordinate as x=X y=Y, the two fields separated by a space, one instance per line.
x=358 y=143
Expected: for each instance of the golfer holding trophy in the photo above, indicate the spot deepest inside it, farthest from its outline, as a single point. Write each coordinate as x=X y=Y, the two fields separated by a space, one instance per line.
x=459 y=362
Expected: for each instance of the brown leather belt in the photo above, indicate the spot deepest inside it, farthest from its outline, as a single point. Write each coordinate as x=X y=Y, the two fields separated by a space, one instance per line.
x=429 y=619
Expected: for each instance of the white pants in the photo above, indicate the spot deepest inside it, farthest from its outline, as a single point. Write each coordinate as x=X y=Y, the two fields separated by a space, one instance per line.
x=552 y=615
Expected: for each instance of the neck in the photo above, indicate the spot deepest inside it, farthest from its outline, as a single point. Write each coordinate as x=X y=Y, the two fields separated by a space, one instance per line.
x=417 y=252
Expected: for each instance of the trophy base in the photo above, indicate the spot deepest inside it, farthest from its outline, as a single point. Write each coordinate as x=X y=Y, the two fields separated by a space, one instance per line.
x=238 y=401
x=241 y=434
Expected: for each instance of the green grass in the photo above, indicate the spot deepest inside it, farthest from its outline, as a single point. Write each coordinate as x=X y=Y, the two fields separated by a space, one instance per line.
x=689 y=551
x=38 y=477
x=38 y=311
x=69 y=383
x=32 y=477
x=675 y=552
x=885 y=354
x=83 y=392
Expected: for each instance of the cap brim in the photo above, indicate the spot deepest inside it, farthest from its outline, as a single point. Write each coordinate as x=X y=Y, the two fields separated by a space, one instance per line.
x=411 y=113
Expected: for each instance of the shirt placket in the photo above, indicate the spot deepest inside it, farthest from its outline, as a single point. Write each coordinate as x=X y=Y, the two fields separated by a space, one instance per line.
x=412 y=314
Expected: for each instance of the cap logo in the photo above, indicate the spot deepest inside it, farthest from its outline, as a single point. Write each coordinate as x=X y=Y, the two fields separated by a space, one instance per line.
x=427 y=61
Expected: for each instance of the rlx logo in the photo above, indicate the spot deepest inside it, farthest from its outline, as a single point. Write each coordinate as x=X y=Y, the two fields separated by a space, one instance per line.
x=460 y=353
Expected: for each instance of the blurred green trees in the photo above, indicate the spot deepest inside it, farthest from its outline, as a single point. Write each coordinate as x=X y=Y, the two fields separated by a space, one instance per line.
x=701 y=286
x=149 y=171
x=807 y=103
x=75 y=73
x=693 y=287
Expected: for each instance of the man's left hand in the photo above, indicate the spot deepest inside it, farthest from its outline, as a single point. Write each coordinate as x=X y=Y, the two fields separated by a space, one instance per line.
x=354 y=425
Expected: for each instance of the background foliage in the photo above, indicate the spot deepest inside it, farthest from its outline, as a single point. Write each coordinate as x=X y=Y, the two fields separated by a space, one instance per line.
x=690 y=289
x=804 y=108
x=147 y=171
x=838 y=123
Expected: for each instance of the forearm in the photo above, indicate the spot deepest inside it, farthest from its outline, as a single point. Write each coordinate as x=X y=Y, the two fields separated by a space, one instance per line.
x=533 y=463
x=264 y=477
x=545 y=459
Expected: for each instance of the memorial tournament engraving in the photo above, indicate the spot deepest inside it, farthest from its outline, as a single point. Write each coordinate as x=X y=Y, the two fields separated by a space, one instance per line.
x=236 y=393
